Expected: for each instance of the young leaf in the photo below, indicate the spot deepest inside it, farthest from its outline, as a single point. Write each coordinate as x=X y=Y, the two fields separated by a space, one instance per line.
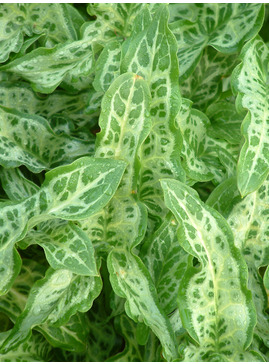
x=250 y=81
x=224 y=323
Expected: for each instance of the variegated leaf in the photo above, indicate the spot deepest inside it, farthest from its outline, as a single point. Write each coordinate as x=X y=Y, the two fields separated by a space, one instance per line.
x=72 y=336
x=27 y=101
x=53 y=20
x=250 y=82
x=19 y=135
x=16 y=186
x=166 y=261
x=54 y=300
x=249 y=221
x=107 y=66
x=223 y=26
x=131 y=280
x=13 y=303
x=118 y=16
x=221 y=323
x=69 y=192
x=65 y=245
x=124 y=123
x=152 y=55
x=132 y=350
x=225 y=122
x=205 y=84
x=224 y=197
x=36 y=349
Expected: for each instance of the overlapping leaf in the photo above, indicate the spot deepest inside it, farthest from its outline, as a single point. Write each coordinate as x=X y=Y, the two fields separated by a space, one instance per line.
x=223 y=26
x=131 y=280
x=70 y=192
x=28 y=140
x=250 y=81
x=152 y=55
x=58 y=22
x=53 y=299
x=224 y=323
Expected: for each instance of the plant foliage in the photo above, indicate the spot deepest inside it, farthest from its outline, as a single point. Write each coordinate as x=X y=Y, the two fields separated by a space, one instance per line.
x=134 y=182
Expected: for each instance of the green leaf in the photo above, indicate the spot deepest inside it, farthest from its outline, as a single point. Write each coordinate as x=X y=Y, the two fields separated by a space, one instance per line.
x=72 y=336
x=224 y=196
x=69 y=192
x=16 y=186
x=131 y=280
x=250 y=82
x=27 y=101
x=53 y=299
x=53 y=20
x=152 y=55
x=65 y=245
x=223 y=26
x=166 y=262
x=249 y=221
x=225 y=122
x=33 y=350
x=28 y=140
x=205 y=84
x=224 y=324
x=107 y=66
x=13 y=303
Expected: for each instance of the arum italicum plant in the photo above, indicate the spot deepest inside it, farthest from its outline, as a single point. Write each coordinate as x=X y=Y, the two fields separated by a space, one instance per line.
x=134 y=182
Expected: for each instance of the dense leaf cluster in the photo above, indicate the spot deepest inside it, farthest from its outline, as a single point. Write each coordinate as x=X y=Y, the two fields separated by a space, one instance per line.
x=134 y=182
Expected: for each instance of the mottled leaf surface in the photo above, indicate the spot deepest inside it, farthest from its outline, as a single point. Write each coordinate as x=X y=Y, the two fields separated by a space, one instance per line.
x=222 y=323
x=152 y=55
x=70 y=192
x=131 y=280
x=28 y=140
x=250 y=81
x=223 y=26
x=53 y=299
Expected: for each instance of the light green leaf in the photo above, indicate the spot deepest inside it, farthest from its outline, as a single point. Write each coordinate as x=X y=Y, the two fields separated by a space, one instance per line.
x=107 y=66
x=223 y=26
x=250 y=81
x=69 y=192
x=28 y=140
x=65 y=245
x=16 y=186
x=166 y=262
x=223 y=324
x=152 y=55
x=131 y=280
x=54 y=300
x=193 y=125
